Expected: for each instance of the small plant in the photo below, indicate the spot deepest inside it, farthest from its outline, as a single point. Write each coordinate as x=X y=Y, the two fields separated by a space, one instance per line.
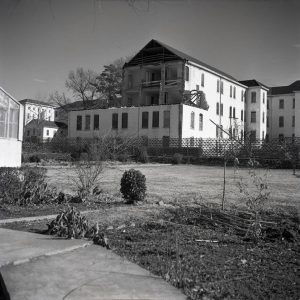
x=70 y=224
x=177 y=158
x=34 y=158
x=255 y=193
x=25 y=186
x=142 y=155
x=133 y=186
x=10 y=184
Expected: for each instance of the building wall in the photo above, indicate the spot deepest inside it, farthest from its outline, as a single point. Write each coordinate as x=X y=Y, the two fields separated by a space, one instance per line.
x=260 y=107
x=10 y=143
x=51 y=132
x=36 y=111
x=297 y=114
x=213 y=96
x=274 y=112
x=10 y=153
x=134 y=122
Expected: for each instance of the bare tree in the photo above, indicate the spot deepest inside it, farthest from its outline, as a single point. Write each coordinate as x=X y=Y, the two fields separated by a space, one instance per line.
x=59 y=99
x=82 y=84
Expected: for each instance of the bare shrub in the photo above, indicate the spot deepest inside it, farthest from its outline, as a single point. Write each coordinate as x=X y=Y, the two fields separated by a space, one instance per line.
x=255 y=193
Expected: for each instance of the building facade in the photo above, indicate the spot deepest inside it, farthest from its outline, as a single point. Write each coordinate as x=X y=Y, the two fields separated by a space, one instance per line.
x=161 y=86
x=255 y=116
x=35 y=109
x=168 y=94
x=40 y=130
x=283 y=118
x=11 y=130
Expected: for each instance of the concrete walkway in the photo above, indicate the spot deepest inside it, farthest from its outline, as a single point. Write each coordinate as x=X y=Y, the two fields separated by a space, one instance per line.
x=49 y=268
x=38 y=218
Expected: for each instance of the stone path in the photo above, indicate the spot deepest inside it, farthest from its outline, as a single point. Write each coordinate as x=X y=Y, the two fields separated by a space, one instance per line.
x=38 y=267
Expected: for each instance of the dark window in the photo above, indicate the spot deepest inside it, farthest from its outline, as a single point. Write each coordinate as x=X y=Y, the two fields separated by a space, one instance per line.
x=197 y=87
x=234 y=92
x=192 y=120
x=245 y=116
x=202 y=79
x=129 y=101
x=47 y=133
x=253 y=116
x=253 y=135
x=154 y=100
x=293 y=121
x=79 y=123
x=230 y=112
x=87 y=122
x=281 y=137
x=242 y=95
x=281 y=104
x=267 y=138
x=114 y=121
x=268 y=103
x=218 y=109
x=263 y=117
x=166 y=97
x=187 y=73
x=96 y=122
x=253 y=97
x=242 y=115
x=221 y=109
x=124 y=120
x=222 y=87
x=130 y=81
x=28 y=132
x=166 y=119
x=281 y=121
x=263 y=98
x=234 y=112
x=200 y=122
x=231 y=91
x=145 y=118
x=293 y=102
x=155 y=119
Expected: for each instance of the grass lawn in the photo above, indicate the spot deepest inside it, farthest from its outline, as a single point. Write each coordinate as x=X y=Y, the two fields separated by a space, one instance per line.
x=178 y=241
x=171 y=182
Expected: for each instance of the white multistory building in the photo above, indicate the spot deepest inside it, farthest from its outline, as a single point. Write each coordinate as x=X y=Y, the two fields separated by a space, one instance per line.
x=283 y=118
x=35 y=109
x=168 y=94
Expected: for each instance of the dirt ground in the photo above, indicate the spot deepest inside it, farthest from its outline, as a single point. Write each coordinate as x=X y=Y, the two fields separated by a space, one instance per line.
x=168 y=235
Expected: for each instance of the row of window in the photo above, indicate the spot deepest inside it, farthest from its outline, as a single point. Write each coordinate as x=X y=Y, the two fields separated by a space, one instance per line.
x=192 y=124
x=124 y=121
x=281 y=104
x=281 y=121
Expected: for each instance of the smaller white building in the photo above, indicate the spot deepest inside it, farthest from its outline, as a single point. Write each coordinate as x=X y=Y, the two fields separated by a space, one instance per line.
x=255 y=116
x=163 y=122
x=40 y=130
x=35 y=109
x=11 y=130
x=284 y=111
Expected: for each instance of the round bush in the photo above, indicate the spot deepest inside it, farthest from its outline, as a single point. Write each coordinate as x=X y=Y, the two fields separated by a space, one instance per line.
x=133 y=186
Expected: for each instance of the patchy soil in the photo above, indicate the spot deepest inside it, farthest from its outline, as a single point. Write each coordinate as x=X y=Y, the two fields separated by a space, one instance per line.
x=202 y=253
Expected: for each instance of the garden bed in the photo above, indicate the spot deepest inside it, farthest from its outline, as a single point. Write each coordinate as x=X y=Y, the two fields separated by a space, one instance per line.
x=199 y=256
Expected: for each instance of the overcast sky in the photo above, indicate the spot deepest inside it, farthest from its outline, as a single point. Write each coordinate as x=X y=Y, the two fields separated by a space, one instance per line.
x=42 y=40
